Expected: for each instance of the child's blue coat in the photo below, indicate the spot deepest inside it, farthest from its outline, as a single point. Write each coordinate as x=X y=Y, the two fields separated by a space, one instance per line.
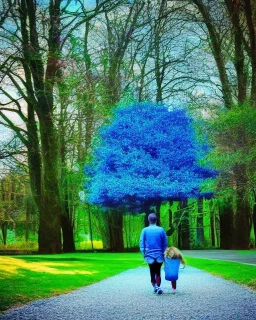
x=171 y=268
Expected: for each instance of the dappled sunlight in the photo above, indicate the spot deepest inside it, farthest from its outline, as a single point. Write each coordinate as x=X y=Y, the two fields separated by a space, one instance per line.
x=10 y=266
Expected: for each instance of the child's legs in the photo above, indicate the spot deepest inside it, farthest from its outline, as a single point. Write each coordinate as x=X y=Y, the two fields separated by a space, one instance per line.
x=174 y=284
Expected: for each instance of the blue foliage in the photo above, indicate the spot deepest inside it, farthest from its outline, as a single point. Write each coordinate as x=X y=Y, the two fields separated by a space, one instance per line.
x=147 y=154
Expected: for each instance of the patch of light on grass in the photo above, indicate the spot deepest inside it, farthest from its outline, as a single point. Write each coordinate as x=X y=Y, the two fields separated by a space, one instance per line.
x=10 y=266
x=87 y=245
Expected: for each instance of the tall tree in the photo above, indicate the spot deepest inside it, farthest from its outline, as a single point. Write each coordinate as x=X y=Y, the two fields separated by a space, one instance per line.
x=33 y=37
x=235 y=12
x=146 y=155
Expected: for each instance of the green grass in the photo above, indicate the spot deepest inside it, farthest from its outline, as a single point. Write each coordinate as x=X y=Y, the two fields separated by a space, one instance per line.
x=30 y=277
x=249 y=252
x=242 y=274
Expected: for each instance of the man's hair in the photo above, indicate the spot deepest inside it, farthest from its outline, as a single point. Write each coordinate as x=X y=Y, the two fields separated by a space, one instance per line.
x=152 y=218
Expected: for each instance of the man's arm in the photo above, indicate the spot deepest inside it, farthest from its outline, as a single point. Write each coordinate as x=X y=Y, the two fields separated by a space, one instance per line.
x=142 y=242
x=164 y=241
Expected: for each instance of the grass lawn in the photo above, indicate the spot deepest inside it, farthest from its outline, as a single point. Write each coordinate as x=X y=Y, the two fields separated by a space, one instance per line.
x=242 y=274
x=30 y=277
x=249 y=252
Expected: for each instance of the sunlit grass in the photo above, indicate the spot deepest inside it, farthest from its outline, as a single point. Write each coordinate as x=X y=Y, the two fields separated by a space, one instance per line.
x=33 y=246
x=30 y=277
x=87 y=245
x=11 y=266
x=242 y=274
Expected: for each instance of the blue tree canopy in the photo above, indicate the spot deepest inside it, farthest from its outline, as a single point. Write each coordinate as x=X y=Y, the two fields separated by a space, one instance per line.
x=145 y=155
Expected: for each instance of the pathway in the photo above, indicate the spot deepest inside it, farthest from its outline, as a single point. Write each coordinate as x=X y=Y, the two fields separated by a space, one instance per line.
x=128 y=296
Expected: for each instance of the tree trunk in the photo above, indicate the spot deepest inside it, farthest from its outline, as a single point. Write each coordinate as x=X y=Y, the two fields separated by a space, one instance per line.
x=254 y=223
x=27 y=223
x=67 y=233
x=90 y=224
x=216 y=47
x=250 y=13
x=115 y=223
x=50 y=213
x=170 y=213
x=234 y=13
x=114 y=83
x=172 y=228
x=214 y=241
x=226 y=226
x=184 y=226
x=34 y=156
x=242 y=215
x=158 y=213
x=200 y=224
x=4 y=232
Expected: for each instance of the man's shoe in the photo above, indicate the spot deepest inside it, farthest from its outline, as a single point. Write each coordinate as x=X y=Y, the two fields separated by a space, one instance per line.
x=159 y=290
x=155 y=287
x=173 y=291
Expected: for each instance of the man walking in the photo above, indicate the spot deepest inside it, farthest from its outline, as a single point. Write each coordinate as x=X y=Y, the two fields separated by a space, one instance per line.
x=153 y=243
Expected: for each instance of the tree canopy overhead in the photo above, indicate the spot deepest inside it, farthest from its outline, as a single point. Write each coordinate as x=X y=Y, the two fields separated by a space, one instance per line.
x=146 y=154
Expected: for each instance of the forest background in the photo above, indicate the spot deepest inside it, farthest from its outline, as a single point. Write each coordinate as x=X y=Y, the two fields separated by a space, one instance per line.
x=66 y=65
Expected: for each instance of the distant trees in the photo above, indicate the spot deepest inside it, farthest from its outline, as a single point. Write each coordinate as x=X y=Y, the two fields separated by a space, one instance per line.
x=12 y=205
x=64 y=66
x=33 y=38
x=231 y=33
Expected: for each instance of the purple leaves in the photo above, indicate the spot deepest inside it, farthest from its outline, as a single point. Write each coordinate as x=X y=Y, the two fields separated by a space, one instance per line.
x=147 y=154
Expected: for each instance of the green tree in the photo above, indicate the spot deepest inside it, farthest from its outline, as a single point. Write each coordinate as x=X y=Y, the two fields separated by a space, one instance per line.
x=33 y=39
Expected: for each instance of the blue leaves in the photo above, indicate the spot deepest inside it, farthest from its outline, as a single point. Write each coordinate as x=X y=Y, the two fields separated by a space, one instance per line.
x=147 y=154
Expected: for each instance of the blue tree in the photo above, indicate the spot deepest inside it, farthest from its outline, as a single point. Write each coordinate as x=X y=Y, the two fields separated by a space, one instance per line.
x=146 y=154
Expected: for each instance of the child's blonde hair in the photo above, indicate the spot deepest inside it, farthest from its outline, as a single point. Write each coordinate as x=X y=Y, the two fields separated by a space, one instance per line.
x=174 y=253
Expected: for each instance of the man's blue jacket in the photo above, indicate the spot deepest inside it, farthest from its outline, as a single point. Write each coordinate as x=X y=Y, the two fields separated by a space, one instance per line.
x=153 y=243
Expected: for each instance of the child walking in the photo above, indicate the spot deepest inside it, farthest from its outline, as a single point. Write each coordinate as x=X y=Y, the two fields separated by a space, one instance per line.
x=173 y=258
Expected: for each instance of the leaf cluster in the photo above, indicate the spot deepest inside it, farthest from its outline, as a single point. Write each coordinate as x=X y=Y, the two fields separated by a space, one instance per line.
x=147 y=154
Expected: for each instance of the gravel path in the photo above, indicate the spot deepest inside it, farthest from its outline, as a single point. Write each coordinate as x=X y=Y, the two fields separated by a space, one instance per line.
x=128 y=296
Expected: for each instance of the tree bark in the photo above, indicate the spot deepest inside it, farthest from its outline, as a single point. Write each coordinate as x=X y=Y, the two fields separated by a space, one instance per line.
x=67 y=233
x=4 y=232
x=250 y=13
x=184 y=227
x=50 y=215
x=254 y=223
x=115 y=224
x=158 y=213
x=242 y=214
x=226 y=226
x=216 y=46
x=234 y=13
x=50 y=201
x=214 y=241
x=200 y=224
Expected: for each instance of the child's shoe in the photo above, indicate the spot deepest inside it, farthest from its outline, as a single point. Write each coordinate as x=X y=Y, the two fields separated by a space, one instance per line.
x=159 y=290
x=155 y=287
x=173 y=291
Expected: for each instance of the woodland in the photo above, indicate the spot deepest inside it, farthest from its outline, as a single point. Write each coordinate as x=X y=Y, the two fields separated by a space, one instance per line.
x=112 y=109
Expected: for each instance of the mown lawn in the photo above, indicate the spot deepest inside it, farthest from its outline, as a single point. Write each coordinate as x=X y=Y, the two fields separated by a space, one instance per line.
x=242 y=274
x=30 y=277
